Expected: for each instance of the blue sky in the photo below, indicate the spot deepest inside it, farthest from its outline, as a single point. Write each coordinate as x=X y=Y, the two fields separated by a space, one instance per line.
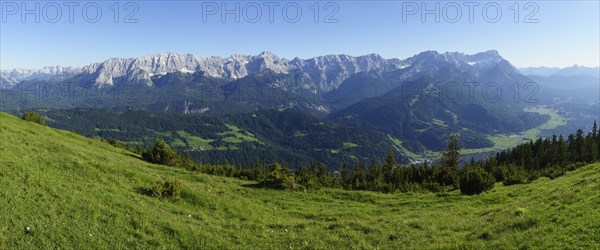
x=566 y=32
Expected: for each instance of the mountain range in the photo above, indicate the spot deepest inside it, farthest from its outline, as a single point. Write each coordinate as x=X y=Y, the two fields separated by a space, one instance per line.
x=319 y=85
x=419 y=100
x=327 y=71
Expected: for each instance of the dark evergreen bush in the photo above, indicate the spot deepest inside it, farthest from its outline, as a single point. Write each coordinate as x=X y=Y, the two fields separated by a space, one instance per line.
x=475 y=180
x=515 y=175
x=161 y=153
x=34 y=117
x=278 y=178
x=167 y=189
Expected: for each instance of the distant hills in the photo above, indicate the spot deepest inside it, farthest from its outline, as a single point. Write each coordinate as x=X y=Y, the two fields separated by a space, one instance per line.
x=574 y=70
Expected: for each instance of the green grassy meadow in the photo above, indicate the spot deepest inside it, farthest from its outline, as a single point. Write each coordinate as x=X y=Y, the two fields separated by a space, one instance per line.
x=79 y=193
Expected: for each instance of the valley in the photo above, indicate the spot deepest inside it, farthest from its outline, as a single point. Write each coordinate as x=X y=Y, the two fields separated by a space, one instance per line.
x=502 y=142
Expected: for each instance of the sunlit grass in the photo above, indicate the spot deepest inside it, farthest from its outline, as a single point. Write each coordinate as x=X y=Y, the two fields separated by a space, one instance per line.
x=80 y=193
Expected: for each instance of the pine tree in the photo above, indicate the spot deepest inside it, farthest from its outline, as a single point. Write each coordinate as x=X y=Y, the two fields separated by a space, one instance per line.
x=562 y=151
x=597 y=137
x=590 y=149
x=448 y=173
x=595 y=130
x=572 y=148
x=389 y=165
x=358 y=177
x=346 y=177
x=323 y=176
x=579 y=145
x=286 y=168
x=313 y=176
x=474 y=180
x=305 y=177
x=375 y=178
x=451 y=155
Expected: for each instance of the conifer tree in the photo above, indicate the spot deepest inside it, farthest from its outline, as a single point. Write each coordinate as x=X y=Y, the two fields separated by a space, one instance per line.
x=596 y=137
x=358 y=177
x=451 y=155
x=590 y=149
x=563 y=151
x=389 y=165
x=448 y=174
x=346 y=177
x=323 y=176
x=572 y=148
x=595 y=131
x=375 y=178
x=474 y=180
x=579 y=145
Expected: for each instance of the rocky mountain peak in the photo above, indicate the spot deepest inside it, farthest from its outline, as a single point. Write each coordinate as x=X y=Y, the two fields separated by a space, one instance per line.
x=328 y=71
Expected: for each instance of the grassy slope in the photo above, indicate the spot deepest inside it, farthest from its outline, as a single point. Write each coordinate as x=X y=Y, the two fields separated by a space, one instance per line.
x=78 y=193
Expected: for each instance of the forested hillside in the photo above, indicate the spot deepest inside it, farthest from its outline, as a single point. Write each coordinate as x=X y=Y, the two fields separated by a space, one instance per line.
x=280 y=135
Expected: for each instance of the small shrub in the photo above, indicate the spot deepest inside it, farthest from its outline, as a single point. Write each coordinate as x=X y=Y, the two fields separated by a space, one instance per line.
x=499 y=172
x=433 y=187
x=553 y=172
x=525 y=224
x=574 y=166
x=520 y=211
x=447 y=176
x=515 y=175
x=167 y=189
x=160 y=153
x=485 y=236
x=34 y=117
x=115 y=143
x=278 y=178
x=475 y=180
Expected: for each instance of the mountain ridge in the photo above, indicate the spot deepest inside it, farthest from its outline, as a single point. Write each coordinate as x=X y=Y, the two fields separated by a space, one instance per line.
x=329 y=71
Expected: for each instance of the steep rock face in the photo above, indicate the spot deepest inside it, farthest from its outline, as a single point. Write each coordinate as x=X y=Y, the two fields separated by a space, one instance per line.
x=326 y=72
x=331 y=70
x=476 y=64
x=143 y=68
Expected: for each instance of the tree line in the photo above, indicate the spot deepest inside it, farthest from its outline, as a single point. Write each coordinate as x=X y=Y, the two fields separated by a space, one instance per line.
x=544 y=157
